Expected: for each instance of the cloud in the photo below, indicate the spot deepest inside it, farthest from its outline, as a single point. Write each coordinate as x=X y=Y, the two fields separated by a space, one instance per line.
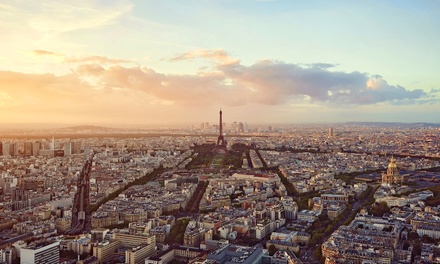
x=59 y=17
x=376 y=82
x=275 y=82
x=321 y=65
x=104 y=85
x=47 y=56
x=6 y=99
x=68 y=98
x=45 y=53
x=79 y=60
x=265 y=82
x=218 y=55
x=90 y=69
x=46 y=25
x=97 y=59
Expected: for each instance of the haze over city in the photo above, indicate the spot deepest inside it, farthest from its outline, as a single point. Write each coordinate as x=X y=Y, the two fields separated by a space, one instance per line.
x=158 y=62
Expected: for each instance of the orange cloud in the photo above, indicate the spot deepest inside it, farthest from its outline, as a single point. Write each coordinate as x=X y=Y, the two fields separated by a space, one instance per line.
x=375 y=83
x=46 y=53
x=67 y=98
x=97 y=59
x=218 y=55
x=90 y=69
x=100 y=88
x=89 y=59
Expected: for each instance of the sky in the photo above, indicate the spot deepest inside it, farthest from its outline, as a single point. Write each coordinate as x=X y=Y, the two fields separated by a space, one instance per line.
x=261 y=61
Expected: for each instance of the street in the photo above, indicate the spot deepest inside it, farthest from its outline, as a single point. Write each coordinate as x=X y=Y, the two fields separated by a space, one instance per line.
x=308 y=256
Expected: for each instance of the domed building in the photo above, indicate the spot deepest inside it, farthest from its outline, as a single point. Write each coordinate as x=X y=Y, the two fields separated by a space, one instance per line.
x=392 y=176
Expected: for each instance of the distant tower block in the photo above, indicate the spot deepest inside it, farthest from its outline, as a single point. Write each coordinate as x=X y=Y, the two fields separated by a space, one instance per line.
x=330 y=132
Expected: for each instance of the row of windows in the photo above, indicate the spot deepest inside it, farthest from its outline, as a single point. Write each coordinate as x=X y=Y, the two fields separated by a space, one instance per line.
x=48 y=256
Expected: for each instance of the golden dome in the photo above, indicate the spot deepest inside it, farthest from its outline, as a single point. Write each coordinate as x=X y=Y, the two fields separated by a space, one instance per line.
x=392 y=163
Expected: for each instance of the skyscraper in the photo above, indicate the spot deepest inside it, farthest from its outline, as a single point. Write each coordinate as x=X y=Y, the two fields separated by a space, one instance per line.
x=234 y=126
x=76 y=148
x=68 y=148
x=13 y=149
x=330 y=132
x=35 y=148
x=52 y=144
x=5 y=148
x=240 y=127
x=28 y=148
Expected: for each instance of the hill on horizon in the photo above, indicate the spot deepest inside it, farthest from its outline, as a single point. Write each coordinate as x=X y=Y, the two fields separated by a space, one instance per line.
x=87 y=127
x=394 y=124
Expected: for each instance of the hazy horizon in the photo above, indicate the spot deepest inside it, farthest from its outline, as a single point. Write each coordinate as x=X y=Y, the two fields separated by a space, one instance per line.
x=180 y=125
x=147 y=63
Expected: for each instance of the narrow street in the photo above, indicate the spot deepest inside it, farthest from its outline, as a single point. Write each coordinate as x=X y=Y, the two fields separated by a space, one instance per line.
x=307 y=255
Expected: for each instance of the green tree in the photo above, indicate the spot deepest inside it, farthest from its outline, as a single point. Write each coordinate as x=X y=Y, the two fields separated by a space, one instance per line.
x=387 y=229
x=317 y=253
x=385 y=207
x=427 y=239
x=413 y=236
x=272 y=249
x=178 y=231
x=322 y=217
x=417 y=249
x=315 y=238
x=329 y=228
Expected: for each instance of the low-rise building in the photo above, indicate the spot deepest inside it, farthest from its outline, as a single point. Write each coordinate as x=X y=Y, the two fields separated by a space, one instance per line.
x=306 y=215
x=236 y=254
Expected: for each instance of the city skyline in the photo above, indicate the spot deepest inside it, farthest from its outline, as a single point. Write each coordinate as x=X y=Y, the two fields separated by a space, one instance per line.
x=156 y=62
